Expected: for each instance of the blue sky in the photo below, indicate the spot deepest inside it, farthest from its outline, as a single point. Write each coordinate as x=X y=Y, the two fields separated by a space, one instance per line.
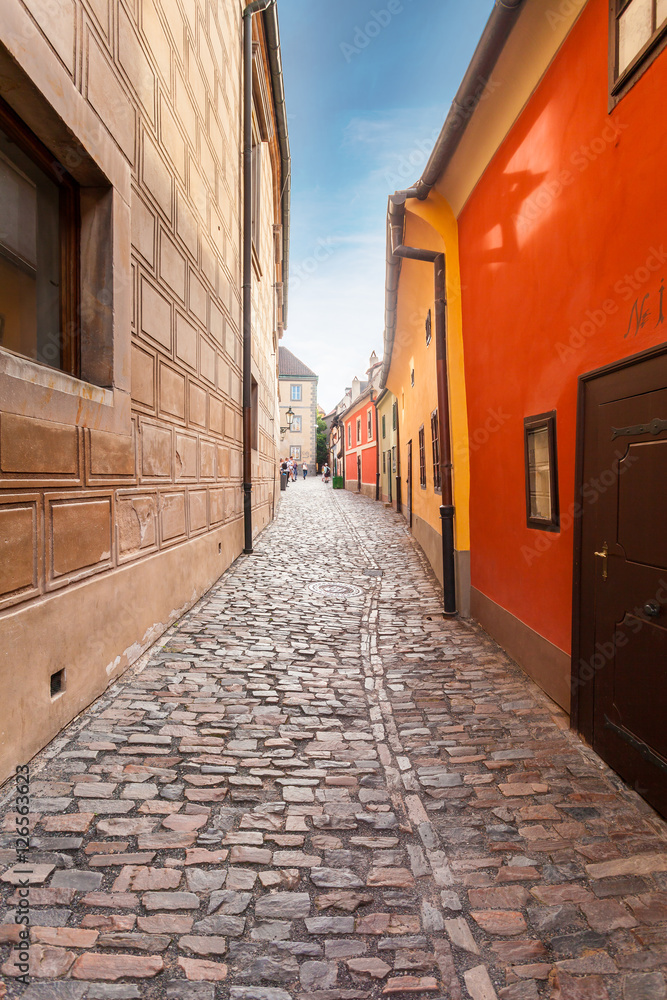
x=368 y=86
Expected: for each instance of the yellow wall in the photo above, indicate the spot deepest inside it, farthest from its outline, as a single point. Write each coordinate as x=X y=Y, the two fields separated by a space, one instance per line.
x=430 y=224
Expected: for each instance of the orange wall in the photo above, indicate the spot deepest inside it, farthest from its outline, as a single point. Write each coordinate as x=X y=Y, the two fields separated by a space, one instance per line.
x=563 y=233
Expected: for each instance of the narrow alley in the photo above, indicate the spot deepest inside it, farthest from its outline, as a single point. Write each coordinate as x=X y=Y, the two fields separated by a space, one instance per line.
x=316 y=788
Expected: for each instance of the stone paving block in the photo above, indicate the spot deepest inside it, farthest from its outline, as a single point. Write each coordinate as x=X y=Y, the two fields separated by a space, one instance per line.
x=315 y=799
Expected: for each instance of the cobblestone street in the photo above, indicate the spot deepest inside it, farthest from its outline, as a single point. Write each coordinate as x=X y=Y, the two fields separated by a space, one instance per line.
x=316 y=788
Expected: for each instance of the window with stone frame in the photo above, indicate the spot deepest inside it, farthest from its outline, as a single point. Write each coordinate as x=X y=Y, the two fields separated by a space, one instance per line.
x=422 y=459
x=296 y=424
x=358 y=430
x=637 y=34
x=295 y=393
x=349 y=435
x=295 y=452
x=39 y=250
x=369 y=415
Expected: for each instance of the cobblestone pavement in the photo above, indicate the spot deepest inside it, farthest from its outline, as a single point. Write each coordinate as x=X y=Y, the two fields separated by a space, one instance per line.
x=316 y=792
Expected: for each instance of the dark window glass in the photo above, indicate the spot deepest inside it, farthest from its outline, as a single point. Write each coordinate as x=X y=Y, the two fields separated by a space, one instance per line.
x=435 y=445
x=541 y=472
x=39 y=246
x=422 y=459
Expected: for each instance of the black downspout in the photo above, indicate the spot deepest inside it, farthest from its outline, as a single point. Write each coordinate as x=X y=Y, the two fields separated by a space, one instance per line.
x=252 y=8
x=447 y=509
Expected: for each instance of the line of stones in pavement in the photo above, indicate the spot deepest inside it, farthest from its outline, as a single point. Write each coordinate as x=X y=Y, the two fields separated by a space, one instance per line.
x=304 y=816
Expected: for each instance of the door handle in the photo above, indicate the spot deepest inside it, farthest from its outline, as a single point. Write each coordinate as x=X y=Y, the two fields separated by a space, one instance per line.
x=652 y=609
x=604 y=556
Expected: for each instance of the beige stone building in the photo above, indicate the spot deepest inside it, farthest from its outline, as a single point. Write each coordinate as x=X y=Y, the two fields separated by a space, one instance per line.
x=298 y=391
x=121 y=330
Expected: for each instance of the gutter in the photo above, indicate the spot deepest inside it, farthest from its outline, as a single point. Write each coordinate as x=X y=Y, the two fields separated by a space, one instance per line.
x=268 y=7
x=276 y=70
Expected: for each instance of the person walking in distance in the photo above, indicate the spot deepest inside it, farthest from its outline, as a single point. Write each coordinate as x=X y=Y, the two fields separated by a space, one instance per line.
x=305 y=470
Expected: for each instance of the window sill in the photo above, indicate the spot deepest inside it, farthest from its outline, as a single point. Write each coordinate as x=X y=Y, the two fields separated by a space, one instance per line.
x=34 y=390
x=35 y=373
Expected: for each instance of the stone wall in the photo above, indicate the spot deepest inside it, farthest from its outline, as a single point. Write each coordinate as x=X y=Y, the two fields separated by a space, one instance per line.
x=120 y=497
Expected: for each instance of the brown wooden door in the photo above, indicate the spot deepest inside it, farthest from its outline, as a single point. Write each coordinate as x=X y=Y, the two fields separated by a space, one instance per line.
x=358 y=473
x=408 y=483
x=389 y=474
x=621 y=663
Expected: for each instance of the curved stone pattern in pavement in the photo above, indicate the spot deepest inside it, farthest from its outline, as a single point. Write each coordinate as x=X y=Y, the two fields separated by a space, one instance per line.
x=321 y=796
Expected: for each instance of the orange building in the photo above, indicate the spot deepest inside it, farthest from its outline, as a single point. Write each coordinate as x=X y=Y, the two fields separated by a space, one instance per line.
x=549 y=173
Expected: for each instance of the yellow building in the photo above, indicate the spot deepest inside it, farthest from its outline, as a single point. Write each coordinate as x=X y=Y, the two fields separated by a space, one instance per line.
x=410 y=374
x=297 y=386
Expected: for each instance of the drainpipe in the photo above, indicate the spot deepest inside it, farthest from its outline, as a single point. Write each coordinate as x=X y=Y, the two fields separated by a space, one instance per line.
x=252 y=8
x=397 y=220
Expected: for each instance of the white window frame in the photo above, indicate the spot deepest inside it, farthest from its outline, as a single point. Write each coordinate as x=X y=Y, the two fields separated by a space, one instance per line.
x=295 y=393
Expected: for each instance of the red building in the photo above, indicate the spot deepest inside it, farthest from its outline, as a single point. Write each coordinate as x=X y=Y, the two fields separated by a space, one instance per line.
x=360 y=424
x=547 y=189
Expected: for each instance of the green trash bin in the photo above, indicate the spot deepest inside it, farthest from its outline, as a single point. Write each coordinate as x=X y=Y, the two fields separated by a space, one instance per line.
x=338 y=483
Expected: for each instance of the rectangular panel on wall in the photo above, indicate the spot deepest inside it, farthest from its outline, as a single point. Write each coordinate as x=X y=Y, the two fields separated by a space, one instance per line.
x=155 y=451
x=20 y=532
x=136 y=524
x=32 y=449
x=172 y=516
x=78 y=536
x=198 y=510
x=217 y=506
x=110 y=458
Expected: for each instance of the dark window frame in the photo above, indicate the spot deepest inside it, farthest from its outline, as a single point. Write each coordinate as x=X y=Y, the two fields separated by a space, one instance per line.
x=394 y=415
x=621 y=83
x=422 y=458
x=384 y=426
x=429 y=331
x=534 y=423
x=70 y=238
x=435 y=449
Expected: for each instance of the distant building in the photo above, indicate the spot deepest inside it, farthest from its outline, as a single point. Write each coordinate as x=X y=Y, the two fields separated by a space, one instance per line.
x=353 y=438
x=297 y=385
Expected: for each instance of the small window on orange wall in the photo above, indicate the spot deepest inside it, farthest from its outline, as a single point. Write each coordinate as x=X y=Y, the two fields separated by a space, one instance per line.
x=541 y=472
x=638 y=32
x=349 y=435
x=370 y=426
x=358 y=430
